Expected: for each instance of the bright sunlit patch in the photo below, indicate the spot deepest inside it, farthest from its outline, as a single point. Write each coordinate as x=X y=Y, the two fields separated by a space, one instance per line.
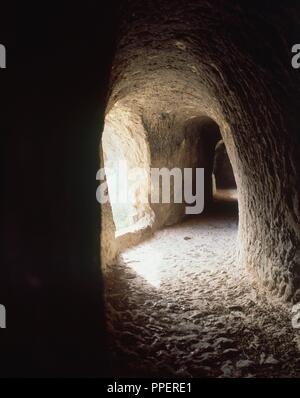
x=147 y=264
x=125 y=149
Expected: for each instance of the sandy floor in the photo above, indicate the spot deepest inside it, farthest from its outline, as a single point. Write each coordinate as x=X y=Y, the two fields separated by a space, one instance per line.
x=178 y=305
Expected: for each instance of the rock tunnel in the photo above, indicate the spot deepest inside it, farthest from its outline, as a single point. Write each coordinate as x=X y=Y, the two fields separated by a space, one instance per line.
x=213 y=104
x=195 y=84
x=173 y=77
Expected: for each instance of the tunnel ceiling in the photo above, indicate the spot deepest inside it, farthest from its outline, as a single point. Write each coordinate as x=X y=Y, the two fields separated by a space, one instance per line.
x=196 y=58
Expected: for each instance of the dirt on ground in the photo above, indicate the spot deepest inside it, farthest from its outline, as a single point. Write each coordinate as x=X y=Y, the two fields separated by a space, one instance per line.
x=179 y=305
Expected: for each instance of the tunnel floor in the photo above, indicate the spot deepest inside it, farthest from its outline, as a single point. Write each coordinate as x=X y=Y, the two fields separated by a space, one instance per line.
x=178 y=305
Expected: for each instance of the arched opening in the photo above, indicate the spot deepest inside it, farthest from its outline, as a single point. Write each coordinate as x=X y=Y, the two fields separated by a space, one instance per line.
x=127 y=169
x=224 y=185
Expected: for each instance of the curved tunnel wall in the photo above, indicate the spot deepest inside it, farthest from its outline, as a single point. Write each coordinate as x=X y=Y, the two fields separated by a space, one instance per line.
x=204 y=59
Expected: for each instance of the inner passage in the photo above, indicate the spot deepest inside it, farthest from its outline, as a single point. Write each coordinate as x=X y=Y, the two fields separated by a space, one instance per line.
x=224 y=185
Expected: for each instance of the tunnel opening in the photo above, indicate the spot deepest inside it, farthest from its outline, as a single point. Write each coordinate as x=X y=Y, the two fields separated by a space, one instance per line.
x=223 y=180
x=208 y=150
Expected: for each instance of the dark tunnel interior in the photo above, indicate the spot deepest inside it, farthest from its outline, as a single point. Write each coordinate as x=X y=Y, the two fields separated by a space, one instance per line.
x=195 y=84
